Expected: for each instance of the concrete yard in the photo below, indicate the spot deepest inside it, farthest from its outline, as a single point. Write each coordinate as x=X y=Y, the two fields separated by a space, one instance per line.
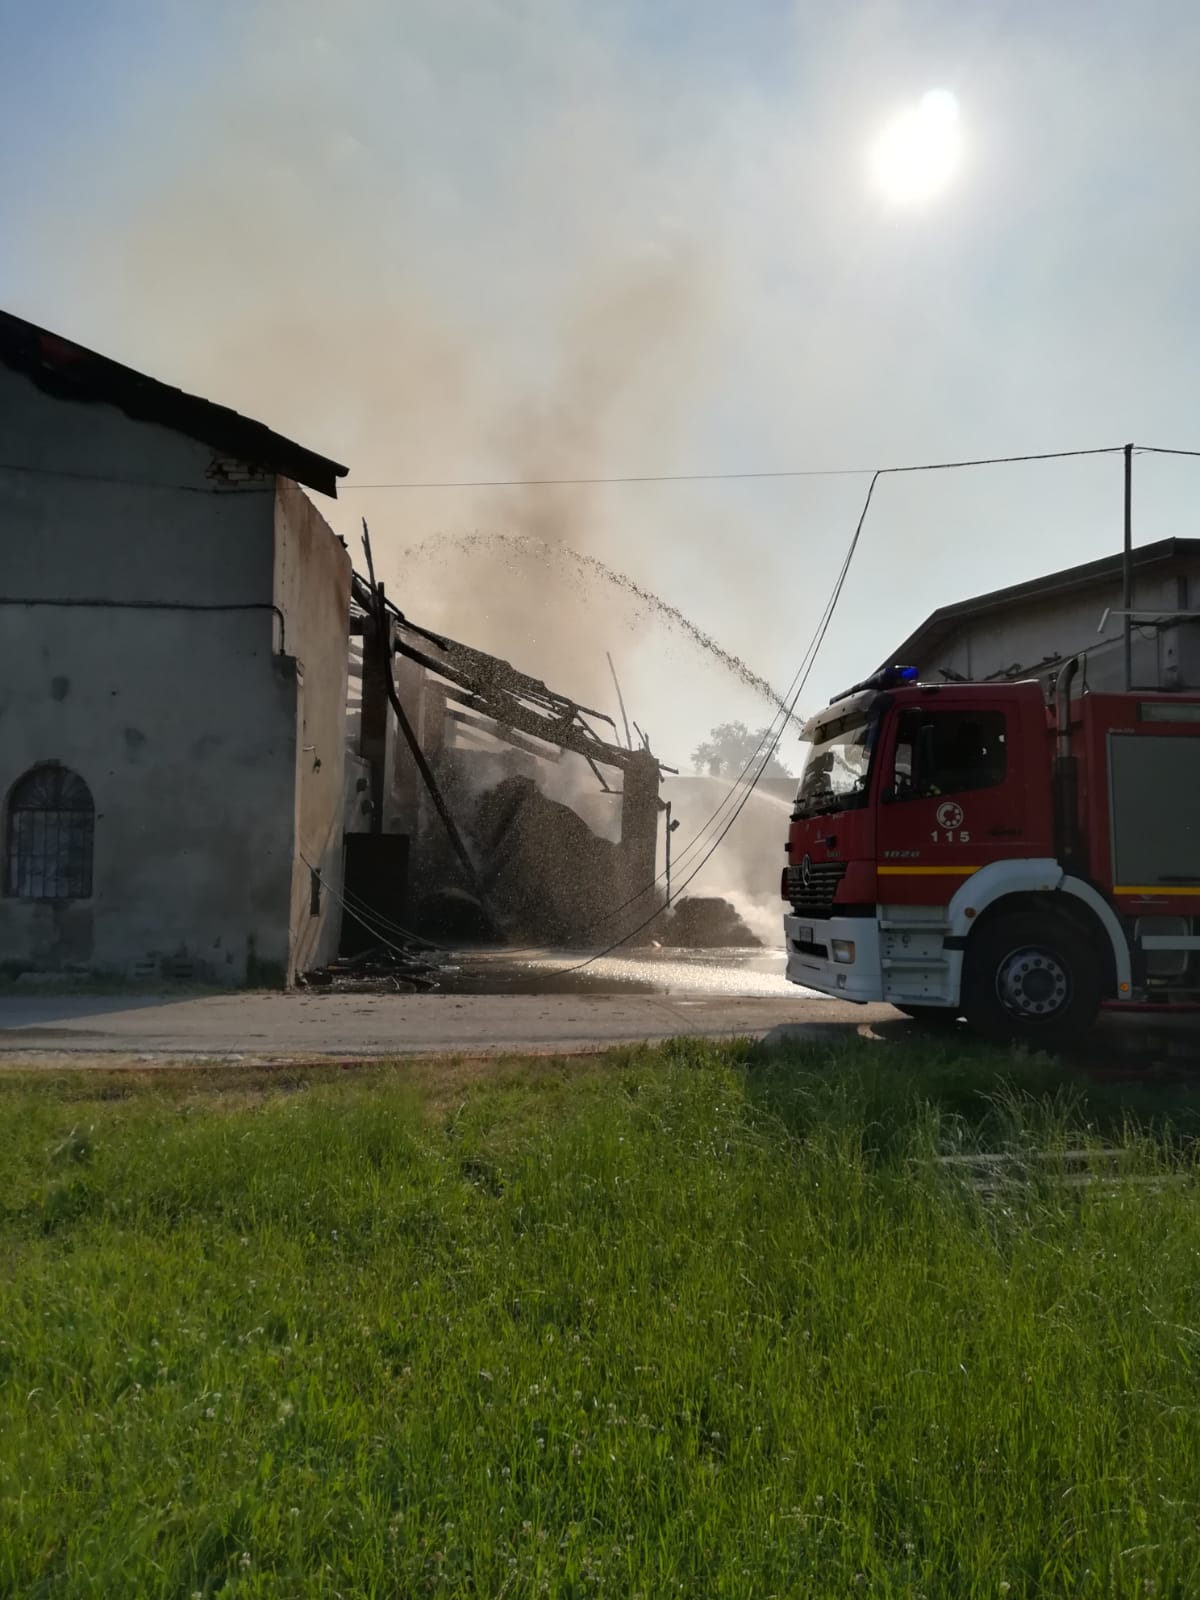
x=496 y=1001
x=257 y=1025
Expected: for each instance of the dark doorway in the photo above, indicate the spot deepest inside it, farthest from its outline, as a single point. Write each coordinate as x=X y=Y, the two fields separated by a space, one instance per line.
x=376 y=890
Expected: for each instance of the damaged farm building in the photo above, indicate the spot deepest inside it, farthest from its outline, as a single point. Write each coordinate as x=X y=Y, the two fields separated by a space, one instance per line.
x=469 y=748
x=226 y=758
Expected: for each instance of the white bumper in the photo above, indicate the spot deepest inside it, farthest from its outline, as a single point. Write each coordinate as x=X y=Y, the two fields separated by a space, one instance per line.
x=810 y=962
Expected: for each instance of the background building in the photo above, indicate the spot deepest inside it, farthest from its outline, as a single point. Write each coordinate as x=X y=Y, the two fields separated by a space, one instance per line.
x=1030 y=628
x=173 y=668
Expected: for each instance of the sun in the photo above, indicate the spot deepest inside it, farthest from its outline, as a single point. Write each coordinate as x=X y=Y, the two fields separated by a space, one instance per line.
x=919 y=152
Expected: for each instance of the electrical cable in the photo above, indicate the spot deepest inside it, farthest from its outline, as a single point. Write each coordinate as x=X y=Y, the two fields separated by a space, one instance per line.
x=802 y=676
x=1161 y=450
x=367 y=913
x=725 y=477
x=357 y=903
x=367 y=919
x=631 y=478
x=364 y=917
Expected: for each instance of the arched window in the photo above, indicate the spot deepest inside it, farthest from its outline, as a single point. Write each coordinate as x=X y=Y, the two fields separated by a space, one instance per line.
x=48 y=836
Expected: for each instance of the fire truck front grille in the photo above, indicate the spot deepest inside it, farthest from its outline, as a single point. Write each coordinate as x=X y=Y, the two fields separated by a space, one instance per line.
x=815 y=896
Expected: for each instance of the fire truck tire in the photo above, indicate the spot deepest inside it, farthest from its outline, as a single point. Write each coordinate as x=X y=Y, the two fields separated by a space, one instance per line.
x=1031 y=978
x=931 y=1016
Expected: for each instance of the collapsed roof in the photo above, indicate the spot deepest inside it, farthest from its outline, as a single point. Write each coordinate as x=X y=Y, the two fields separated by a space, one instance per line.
x=499 y=700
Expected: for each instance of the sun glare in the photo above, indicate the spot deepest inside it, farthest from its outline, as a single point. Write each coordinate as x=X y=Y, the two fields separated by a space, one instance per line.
x=918 y=153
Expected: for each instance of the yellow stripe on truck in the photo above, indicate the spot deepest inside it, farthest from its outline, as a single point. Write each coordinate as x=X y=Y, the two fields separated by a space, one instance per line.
x=927 y=872
x=1155 y=889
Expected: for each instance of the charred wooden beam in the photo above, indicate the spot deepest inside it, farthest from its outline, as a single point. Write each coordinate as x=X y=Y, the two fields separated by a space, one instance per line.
x=510 y=713
x=487 y=725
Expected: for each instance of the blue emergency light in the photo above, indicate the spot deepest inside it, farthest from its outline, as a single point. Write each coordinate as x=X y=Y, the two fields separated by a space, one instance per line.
x=885 y=678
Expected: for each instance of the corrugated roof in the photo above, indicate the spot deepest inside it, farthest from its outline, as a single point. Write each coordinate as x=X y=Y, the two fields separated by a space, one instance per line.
x=70 y=372
x=1090 y=575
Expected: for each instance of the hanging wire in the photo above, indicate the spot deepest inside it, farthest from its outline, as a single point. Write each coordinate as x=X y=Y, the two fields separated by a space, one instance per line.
x=728 y=477
x=799 y=682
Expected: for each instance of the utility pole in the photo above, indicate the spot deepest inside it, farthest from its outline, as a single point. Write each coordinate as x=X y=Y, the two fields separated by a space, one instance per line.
x=671 y=826
x=1127 y=567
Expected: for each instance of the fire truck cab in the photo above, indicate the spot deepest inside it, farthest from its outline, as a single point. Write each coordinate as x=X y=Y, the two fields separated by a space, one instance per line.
x=992 y=851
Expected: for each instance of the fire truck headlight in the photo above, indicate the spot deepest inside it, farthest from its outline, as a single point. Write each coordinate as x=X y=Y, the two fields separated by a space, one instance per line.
x=843 y=951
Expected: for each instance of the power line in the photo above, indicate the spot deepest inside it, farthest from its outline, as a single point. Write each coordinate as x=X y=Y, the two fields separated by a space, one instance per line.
x=724 y=477
x=546 y=483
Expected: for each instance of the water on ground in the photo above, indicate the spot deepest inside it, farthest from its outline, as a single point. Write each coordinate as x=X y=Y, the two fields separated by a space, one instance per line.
x=756 y=973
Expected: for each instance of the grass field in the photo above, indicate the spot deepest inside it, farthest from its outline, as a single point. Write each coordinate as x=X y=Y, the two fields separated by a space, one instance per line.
x=676 y=1322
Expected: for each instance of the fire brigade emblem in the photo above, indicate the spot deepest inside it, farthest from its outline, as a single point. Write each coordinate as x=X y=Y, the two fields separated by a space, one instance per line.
x=950 y=814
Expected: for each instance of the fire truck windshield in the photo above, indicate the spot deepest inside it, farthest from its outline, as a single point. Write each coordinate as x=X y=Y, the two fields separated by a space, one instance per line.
x=838 y=766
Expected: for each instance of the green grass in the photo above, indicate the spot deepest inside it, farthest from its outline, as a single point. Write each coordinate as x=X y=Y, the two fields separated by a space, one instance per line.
x=679 y=1322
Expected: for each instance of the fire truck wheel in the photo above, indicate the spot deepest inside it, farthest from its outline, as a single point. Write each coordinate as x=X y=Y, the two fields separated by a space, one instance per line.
x=931 y=1016
x=1031 y=977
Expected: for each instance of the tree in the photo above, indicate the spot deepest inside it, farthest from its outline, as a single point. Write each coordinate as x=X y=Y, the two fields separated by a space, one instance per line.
x=733 y=747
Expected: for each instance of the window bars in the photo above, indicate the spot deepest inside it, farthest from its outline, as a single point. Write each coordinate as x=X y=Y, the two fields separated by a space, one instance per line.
x=49 y=836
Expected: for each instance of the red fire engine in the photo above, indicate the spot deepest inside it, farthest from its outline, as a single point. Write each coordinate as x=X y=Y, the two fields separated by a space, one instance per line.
x=970 y=849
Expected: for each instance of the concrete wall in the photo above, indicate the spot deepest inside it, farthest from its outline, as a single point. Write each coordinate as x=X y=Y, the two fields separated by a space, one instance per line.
x=182 y=723
x=1067 y=624
x=312 y=588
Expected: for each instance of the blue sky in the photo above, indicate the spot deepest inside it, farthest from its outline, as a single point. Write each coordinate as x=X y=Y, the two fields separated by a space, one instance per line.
x=460 y=238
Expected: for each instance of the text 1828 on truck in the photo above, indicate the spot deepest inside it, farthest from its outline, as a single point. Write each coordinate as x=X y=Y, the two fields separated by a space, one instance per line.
x=990 y=851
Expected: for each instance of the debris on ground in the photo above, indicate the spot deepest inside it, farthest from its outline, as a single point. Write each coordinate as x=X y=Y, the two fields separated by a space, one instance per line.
x=384 y=969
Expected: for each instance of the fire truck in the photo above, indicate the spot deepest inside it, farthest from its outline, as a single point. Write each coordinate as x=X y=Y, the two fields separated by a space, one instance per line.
x=1016 y=854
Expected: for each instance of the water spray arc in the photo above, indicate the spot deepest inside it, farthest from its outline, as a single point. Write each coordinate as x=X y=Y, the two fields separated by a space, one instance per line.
x=592 y=566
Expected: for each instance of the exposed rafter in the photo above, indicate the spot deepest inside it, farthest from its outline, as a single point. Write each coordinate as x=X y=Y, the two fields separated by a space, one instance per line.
x=510 y=700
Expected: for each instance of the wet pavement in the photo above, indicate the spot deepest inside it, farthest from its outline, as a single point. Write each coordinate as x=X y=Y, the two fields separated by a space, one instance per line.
x=531 y=1001
x=751 y=973
x=493 y=1001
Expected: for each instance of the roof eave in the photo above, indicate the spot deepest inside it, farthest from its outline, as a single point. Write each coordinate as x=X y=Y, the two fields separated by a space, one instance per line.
x=70 y=371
